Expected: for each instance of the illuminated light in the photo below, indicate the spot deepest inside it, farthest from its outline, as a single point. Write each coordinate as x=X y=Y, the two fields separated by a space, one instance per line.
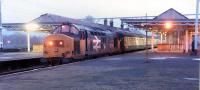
x=63 y=26
x=51 y=43
x=168 y=25
x=32 y=27
x=8 y=42
x=142 y=24
x=61 y=43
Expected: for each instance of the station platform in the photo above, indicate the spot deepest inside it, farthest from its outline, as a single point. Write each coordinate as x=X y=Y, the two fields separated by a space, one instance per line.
x=129 y=71
x=13 y=56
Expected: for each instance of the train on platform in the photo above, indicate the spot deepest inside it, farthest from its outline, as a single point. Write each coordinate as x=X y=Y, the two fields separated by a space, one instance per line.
x=75 y=41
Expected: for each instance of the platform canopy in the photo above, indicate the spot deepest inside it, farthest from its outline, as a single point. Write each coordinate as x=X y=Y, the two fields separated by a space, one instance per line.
x=170 y=18
x=52 y=22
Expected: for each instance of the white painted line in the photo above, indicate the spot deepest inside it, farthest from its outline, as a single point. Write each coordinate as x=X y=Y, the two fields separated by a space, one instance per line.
x=158 y=58
x=163 y=58
x=192 y=79
x=112 y=59
x=173 y=57
x=198 y=59
x=6 y=57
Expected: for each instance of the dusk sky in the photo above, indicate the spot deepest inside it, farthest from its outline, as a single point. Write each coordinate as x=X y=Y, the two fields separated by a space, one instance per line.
x=26 y=10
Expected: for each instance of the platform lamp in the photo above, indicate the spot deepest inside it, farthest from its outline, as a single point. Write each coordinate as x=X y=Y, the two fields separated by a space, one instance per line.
x=30 y=27
x=168 y=25
x=146 y=46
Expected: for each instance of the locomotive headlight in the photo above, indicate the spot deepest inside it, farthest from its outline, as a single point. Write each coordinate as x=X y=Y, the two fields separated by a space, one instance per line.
x=50 y=43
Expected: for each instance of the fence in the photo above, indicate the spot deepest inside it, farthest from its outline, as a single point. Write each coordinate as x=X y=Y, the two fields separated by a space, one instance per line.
x=179 y=48
x=38 y=48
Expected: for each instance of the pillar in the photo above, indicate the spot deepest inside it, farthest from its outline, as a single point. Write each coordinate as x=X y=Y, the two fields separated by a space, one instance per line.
x=105 y=21
x=161 y=38
x=196 y=26
x=165 y=37
x=186 y=41
x=178 y=37
x=28 y=42
x=152 y=41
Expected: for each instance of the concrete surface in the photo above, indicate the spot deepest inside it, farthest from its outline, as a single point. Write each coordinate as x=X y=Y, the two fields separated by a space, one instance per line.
x=120 y=72
x=19 y=56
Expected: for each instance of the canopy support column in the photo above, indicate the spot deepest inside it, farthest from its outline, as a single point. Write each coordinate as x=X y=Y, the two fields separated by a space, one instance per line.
x=186 y=41
x=152 y=41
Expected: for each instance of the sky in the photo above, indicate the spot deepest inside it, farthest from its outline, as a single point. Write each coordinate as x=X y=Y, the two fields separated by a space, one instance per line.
x=15 y=11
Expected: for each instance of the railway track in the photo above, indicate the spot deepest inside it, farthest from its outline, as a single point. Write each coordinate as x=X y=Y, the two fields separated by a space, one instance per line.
x=7 y=68
x=31 y=64
x=21 y=70
x=10 y=67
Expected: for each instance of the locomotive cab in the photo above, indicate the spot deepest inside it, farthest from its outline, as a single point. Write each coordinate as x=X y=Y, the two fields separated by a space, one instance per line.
x=66 y=43
x=56 y=46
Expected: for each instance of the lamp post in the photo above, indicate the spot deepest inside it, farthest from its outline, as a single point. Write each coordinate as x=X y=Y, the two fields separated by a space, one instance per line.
x=146 y=47
x=196 y=27
x=1 y=35
x=30 y=27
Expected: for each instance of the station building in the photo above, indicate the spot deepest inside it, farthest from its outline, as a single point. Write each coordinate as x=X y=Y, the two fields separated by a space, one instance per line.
x=176 y=31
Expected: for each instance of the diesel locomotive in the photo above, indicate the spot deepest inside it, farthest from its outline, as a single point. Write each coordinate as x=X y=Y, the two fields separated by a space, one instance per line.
x=75 y=41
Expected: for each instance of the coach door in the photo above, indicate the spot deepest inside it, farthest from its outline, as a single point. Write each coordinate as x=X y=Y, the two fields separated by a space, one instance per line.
x=83 y=45
x=122 y=47
x=115 y=42
x=77 y=47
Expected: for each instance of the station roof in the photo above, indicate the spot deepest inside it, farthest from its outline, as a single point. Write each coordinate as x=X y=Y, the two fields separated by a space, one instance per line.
x=170 y=14
x=177 y=19
x=53 y=19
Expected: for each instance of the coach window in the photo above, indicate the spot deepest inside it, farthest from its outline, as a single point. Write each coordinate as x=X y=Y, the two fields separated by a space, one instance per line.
x=95 y=33
x=98 y=34
x=92 y=33
x=65 y=28
x=74 y=31
x=82 y=34
x=115 y=42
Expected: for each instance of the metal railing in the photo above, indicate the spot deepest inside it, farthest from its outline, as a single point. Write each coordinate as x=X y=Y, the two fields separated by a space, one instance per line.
x=171 y=48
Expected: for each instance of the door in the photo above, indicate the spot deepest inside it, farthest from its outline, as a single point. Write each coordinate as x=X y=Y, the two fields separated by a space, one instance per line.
x=76 y=46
